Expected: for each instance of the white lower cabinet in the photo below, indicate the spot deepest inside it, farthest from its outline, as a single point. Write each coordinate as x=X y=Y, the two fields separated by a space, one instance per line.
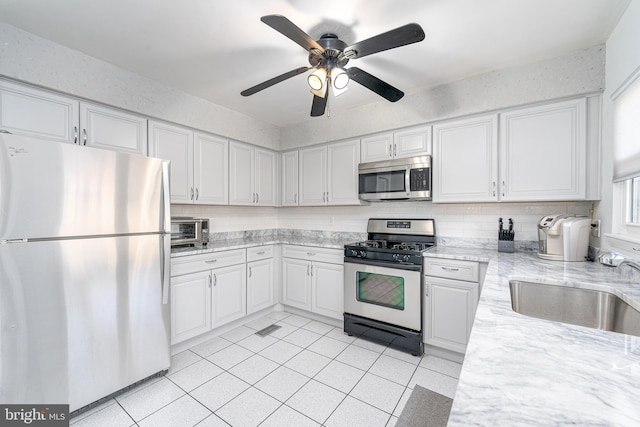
x=204 y=297
x=260 y=278
x=451 y=297
x=190 y=306
x=228 y=295
x=313 y=279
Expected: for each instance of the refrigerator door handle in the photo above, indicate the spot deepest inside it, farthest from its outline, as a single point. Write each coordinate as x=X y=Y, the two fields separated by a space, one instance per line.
x=166 y=267
x=166 y=199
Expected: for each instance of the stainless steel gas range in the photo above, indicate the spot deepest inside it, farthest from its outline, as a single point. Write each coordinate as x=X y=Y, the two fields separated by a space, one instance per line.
x=382 y=282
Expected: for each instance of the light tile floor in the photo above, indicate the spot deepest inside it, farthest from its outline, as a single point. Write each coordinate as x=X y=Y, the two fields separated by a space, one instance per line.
x=307 y=373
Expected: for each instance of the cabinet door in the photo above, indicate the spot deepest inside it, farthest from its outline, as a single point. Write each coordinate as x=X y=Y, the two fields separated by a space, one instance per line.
x=296 y=283
x=210 y=170
x=414 y=141
x=190 y=305
x=241 y=174
x=313 y=176
x=175 y=144
x=265 y=177
x=543 y=152
x=327 y=288
x=260 y=285
x=290 y=178
x=112 y=129
x=32 y=112
x=377 y=147
x=342 y=173
x=466 y=160
x=229 y=294
x=450 y=307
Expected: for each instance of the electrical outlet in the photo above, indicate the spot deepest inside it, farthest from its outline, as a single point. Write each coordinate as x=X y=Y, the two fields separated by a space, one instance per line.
x=595 y=228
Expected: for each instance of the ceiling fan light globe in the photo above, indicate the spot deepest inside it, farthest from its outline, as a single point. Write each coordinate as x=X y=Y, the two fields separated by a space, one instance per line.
x=316 y=79
x=340 y=80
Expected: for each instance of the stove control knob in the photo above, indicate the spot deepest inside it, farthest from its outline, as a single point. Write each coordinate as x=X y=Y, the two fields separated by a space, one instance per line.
x=362 y=254
x=354 y=252
x=395 y=257
x=406 y=258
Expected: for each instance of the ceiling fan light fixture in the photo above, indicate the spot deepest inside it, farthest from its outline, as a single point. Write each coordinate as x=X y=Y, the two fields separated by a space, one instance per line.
x=317 y=79
x=339 y=78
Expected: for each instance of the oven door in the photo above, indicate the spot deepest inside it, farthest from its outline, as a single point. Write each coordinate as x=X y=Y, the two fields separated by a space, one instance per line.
x=385 y=294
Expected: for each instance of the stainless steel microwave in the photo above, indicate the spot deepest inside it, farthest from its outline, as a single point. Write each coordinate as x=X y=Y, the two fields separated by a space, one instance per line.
x=187 y=231
x=398 y=179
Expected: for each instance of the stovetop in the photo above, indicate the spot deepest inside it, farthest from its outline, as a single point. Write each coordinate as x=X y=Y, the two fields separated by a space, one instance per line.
x=394 y=241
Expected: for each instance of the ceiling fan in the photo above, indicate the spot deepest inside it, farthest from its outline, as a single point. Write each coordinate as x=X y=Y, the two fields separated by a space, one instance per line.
x=329 y=55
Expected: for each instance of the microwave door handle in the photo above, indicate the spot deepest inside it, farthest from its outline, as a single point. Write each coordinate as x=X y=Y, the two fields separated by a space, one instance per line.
x=407 y=181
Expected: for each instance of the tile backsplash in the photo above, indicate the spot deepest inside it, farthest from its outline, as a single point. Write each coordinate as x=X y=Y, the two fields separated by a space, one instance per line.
x=467 y=224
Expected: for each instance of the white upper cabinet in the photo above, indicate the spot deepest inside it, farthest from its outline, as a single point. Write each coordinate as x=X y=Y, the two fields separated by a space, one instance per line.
x=33 y=112
x=198 y=163
x=175 y=143
x=408 y=142
x=539 y=154
x=289 y=178
x=210 y=169
x=112 y=129
x=543 y=152
x=266 y=177
x=313 y=176
x=413 y=141
x=252 y=175
x=377 y=147
x=328 y=174
x=465 y=160
x=342 y=172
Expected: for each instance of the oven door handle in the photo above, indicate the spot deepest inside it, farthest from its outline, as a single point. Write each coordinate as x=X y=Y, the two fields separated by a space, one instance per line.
x=398 y=265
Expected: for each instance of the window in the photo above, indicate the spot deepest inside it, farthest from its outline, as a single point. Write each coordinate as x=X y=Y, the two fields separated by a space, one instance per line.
x=626 y=154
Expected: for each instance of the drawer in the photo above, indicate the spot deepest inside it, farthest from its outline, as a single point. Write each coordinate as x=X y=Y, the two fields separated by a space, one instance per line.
x=451 y=269
x=314 y=253
x=192 y=264
x=259 y=252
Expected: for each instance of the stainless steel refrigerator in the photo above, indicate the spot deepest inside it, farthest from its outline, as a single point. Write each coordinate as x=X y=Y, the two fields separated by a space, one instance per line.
x=84 y=271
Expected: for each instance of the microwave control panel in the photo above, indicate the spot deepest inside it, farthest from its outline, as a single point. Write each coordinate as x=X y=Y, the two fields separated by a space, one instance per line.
x=420 y=179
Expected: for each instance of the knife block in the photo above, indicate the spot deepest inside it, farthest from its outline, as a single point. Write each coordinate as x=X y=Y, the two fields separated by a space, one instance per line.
x=506 y=246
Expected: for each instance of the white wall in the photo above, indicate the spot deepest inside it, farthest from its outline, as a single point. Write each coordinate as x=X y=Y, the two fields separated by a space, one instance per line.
x=622 y=60
x=26 y=57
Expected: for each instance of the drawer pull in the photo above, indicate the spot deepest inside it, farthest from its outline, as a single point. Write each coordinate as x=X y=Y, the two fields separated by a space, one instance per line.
x=211 y=261
x=311 y=254
x=261 y=253
x=451 y=269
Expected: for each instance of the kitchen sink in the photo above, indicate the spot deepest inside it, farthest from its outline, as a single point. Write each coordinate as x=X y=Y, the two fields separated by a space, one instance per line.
x=577 y=306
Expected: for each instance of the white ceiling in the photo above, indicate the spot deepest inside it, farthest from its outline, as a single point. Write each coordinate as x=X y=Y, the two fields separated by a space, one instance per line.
x=215 y=49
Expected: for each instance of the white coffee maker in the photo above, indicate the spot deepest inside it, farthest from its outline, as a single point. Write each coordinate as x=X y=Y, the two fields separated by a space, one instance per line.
x=564 y=237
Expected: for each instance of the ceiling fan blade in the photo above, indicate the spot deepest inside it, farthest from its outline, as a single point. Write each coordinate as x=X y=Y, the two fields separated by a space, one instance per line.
x=319 y=104
x=373 y=83
x=271 y=82
x=290 y=30
x=401 y=36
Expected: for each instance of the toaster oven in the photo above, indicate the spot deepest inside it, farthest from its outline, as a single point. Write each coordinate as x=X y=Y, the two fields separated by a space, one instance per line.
x=187 y=231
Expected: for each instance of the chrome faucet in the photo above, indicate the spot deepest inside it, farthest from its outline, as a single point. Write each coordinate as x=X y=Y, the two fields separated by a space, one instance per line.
x=631 y=263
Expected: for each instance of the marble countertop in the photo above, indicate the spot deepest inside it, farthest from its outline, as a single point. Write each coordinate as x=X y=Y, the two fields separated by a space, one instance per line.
x=523 y=371
x=323 y=240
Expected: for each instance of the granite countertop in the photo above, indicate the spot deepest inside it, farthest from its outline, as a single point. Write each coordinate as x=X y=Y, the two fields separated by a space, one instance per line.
x=228 y=241
x=523 y=371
